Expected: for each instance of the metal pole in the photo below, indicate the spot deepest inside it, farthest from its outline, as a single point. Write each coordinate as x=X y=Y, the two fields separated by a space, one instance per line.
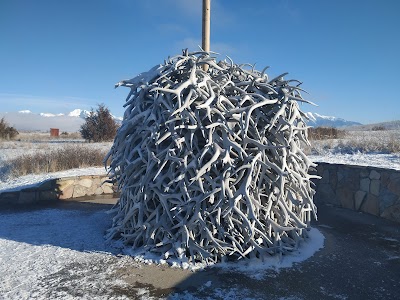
x=206 y=25
x=206 y=28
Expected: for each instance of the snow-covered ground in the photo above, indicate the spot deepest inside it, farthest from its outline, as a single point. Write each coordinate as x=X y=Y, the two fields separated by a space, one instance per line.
x=12 y=184
x=379 y=149
x=40 y=249
x=379 y=160
x=60 y=253
x=329 y=151
x=388 y=161
x=13 y=149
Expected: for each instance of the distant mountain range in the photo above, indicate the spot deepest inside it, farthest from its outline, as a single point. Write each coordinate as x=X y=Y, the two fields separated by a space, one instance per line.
x=317 y=120
x=81 y=113
x=25 y=120
x=391 y=125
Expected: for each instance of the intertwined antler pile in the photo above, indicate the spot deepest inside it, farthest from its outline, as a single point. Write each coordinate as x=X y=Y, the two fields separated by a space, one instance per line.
x=209 y=163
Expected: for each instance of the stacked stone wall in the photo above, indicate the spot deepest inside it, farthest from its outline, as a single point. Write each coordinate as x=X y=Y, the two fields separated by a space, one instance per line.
x=371 y=190
x=60 y=189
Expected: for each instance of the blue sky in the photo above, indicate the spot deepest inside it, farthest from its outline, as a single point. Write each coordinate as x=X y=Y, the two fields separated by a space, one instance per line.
x=56 y=56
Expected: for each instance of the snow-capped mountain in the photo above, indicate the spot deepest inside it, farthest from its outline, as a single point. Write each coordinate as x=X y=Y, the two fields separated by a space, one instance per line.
x=25 y=120
x=49 y=115
x=24 y=112
x=317 y=120
x=82 y=113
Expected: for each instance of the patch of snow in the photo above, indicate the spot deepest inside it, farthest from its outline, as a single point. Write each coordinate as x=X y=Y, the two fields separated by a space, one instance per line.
x=32 y=180
x=81 y=113
x=331 y=118
x=61 y=254
x=325 y=226
x=378 y=160
x=390 y=239
x=332 y=295
x=254 y=268
x=49 y=115
x=396 y=257
x=317 y=120
x=117 y=118
x=40 y=248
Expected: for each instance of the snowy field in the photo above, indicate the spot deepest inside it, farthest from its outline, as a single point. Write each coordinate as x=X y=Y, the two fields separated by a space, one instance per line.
x=54 y=253
x=38 y=247
x=13 y=149
x=40 y=143
x=366 y=148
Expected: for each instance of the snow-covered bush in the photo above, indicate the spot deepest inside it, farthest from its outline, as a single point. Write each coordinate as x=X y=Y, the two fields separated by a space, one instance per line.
x=209 y=163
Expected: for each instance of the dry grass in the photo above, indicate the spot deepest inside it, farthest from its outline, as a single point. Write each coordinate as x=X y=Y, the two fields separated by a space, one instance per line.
x=325 y=133
x=38 y=153
x=379 y=141
x=68 y=157
x=45 y=136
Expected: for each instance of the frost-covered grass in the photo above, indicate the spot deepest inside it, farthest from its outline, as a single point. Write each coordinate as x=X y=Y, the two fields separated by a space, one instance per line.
x=364 y=148
x=36 y=153
x=54 y=160
x=382 y=142
x=369 y=148
x=13 y=149
x=45 y=136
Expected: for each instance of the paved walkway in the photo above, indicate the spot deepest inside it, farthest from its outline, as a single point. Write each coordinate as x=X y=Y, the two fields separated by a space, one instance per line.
x=360 y=260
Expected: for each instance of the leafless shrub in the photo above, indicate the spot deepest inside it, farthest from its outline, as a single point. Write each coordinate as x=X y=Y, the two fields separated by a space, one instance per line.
x=391 y=146
x=378 y=128
x=6 y=131
x=324 y=133
x=68 y=157
x=394 y=145
x=385 y=142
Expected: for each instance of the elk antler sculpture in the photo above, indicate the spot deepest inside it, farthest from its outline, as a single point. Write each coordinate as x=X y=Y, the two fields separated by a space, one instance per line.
x=209 y=164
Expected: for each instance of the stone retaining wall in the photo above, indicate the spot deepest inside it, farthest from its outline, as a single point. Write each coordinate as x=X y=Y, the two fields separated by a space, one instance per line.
x=371 y=190
x=60 y=188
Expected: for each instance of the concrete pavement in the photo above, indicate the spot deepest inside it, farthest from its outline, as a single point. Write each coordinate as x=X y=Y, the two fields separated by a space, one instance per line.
x=360 y=260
